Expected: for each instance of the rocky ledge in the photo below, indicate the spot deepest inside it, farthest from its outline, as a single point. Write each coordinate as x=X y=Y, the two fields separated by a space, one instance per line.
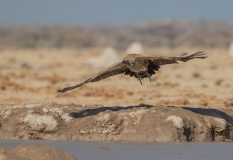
x=146 y=123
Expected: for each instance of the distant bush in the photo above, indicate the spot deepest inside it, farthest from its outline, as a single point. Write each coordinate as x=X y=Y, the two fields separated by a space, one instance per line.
x=173 y=33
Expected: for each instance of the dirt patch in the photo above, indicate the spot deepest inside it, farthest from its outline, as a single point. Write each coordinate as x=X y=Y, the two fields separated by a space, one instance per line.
x=142 y=122
x=32 y=152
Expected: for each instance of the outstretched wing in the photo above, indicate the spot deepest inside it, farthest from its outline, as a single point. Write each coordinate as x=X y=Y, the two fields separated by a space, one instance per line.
x=154 y=62
x=117 y=68
x=162 y=60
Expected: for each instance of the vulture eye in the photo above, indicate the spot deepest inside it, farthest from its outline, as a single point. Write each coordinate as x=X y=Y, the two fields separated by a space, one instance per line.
x=127 y=62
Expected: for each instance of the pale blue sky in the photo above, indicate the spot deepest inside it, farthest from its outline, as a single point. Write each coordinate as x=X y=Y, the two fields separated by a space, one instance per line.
x=88 y=12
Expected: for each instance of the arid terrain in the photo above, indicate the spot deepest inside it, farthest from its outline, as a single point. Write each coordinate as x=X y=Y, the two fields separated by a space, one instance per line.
x=29 y=152
x=190 y=101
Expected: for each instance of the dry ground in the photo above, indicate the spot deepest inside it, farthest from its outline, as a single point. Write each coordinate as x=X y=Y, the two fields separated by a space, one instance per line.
x=31 y=152
x=200 y=90
x=33 y=76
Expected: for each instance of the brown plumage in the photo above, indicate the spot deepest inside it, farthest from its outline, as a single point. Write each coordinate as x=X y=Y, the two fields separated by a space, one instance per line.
x=139 y=66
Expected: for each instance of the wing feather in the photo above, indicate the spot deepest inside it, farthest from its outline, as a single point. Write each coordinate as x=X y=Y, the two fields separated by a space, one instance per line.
x=117 y=68
x=162 y=60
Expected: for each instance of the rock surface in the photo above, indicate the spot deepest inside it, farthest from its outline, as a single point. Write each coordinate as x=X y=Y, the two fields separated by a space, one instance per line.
x=146 y=123
x=32 y=152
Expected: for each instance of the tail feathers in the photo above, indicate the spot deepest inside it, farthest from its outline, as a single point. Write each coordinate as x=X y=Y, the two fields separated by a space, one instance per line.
x=76 y=86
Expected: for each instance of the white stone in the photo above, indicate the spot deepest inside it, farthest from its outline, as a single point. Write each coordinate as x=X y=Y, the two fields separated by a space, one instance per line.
x=5 y=113
x=82 y=131
x=66 y=117
x=177 y=121
x=36 y=121
x=221 y=123
x=45 y=110
x=56 y=110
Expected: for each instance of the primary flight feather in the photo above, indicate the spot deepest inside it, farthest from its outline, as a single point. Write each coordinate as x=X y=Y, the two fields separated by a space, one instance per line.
x=138 y=66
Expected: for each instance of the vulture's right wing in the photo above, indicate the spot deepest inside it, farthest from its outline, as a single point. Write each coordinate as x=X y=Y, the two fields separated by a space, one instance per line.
x=117 y=68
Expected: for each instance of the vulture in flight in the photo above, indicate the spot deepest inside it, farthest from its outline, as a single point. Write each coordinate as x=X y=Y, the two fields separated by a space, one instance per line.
x=138 y=66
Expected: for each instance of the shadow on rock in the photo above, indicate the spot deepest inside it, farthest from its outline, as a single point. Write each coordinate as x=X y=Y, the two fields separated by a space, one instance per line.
x=211 y=112
x=95 y=111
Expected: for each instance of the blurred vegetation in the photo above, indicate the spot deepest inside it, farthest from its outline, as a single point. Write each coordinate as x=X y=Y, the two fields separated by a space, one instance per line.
x=169 y=33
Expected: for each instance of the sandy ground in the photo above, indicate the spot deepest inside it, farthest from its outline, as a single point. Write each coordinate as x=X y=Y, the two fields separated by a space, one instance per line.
x=34 y=76
x=31 y=152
